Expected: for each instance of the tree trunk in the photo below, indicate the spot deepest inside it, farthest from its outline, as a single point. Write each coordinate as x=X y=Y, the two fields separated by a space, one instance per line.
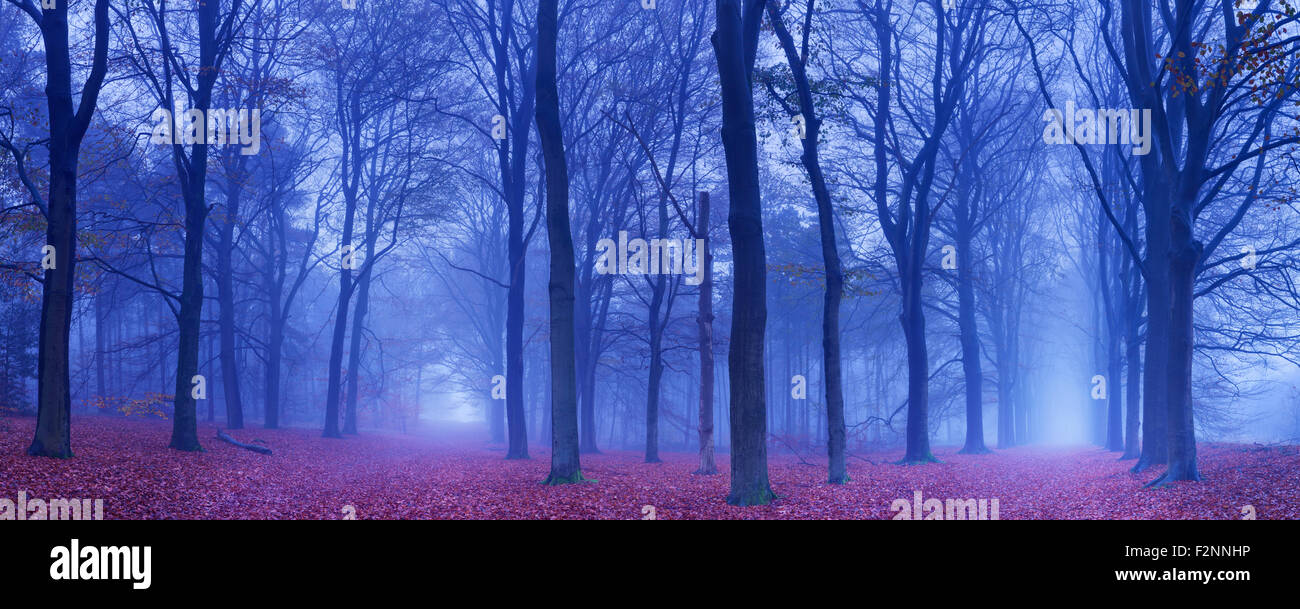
x=735 y=41
x=588 y=380
x=565 y=466
x=101 y=319
x=185 y=434
x=226 y=302
x=1132 y=303
x=359 y=318
x=351 y=166
x=1155 y=380
x=704 y=319
x=53 y=436
x=516 y=258
x=656 y=328
x=1006 y=404
x=512 y=161
x=354 y=350
x=1114 y=397
x=518 y=447
x=1133 y=385
x=336 y=341
x=1180 y=422
x=918 y=370
x=583 y=354
x=836 y=436
x=970 y=344
x=652 y=393
x=588 y=337
x=275 y=351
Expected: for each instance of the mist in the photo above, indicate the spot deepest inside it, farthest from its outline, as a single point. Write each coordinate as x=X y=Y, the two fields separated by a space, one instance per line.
x=740 y=243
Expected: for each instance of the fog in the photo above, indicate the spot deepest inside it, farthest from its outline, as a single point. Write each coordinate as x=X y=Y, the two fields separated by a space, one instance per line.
x=422 y=217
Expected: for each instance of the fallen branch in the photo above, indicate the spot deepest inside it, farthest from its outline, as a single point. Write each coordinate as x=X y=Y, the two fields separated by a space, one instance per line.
x=225 y=437
x=857 y=456
x=782 y=440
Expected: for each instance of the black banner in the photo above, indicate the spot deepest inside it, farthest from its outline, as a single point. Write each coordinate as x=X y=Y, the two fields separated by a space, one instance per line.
x=308 y=559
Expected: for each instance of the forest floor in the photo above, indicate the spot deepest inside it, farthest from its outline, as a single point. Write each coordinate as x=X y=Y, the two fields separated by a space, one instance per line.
x=382 y=475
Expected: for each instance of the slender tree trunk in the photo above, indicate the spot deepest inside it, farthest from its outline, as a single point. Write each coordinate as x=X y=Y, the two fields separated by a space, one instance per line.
x=1132 y=304
x=656 y=328
x=212 y=351
x=275 y=351
x=836 y=436
x=1114 y=397
x=652 y=395
x=565 y=465
x=584 y=358
x=970 y=345
x=101 y=319
x=513 y=165
x=1133 y=386
x=340 y=329
x=351 y=166
x=226 y=316
x=359 y=317
x=185 y=422
x=918 y=371
x=588 y=380
x=354 y=351
x=518 y=447
x=1023 y=401
x=704 y=319
x=496 y=412
x=336 y=348
x=1006 y=404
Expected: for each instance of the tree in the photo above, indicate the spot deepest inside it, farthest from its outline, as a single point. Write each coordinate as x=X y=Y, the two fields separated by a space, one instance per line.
x=704 y=320
x=213 y=39
x=565 y=465
x=1205 y=70
x=68 y=124
x=906 y=222
x=376 y=70
x=735 y=43
x=495 y=35
x=810 y=134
